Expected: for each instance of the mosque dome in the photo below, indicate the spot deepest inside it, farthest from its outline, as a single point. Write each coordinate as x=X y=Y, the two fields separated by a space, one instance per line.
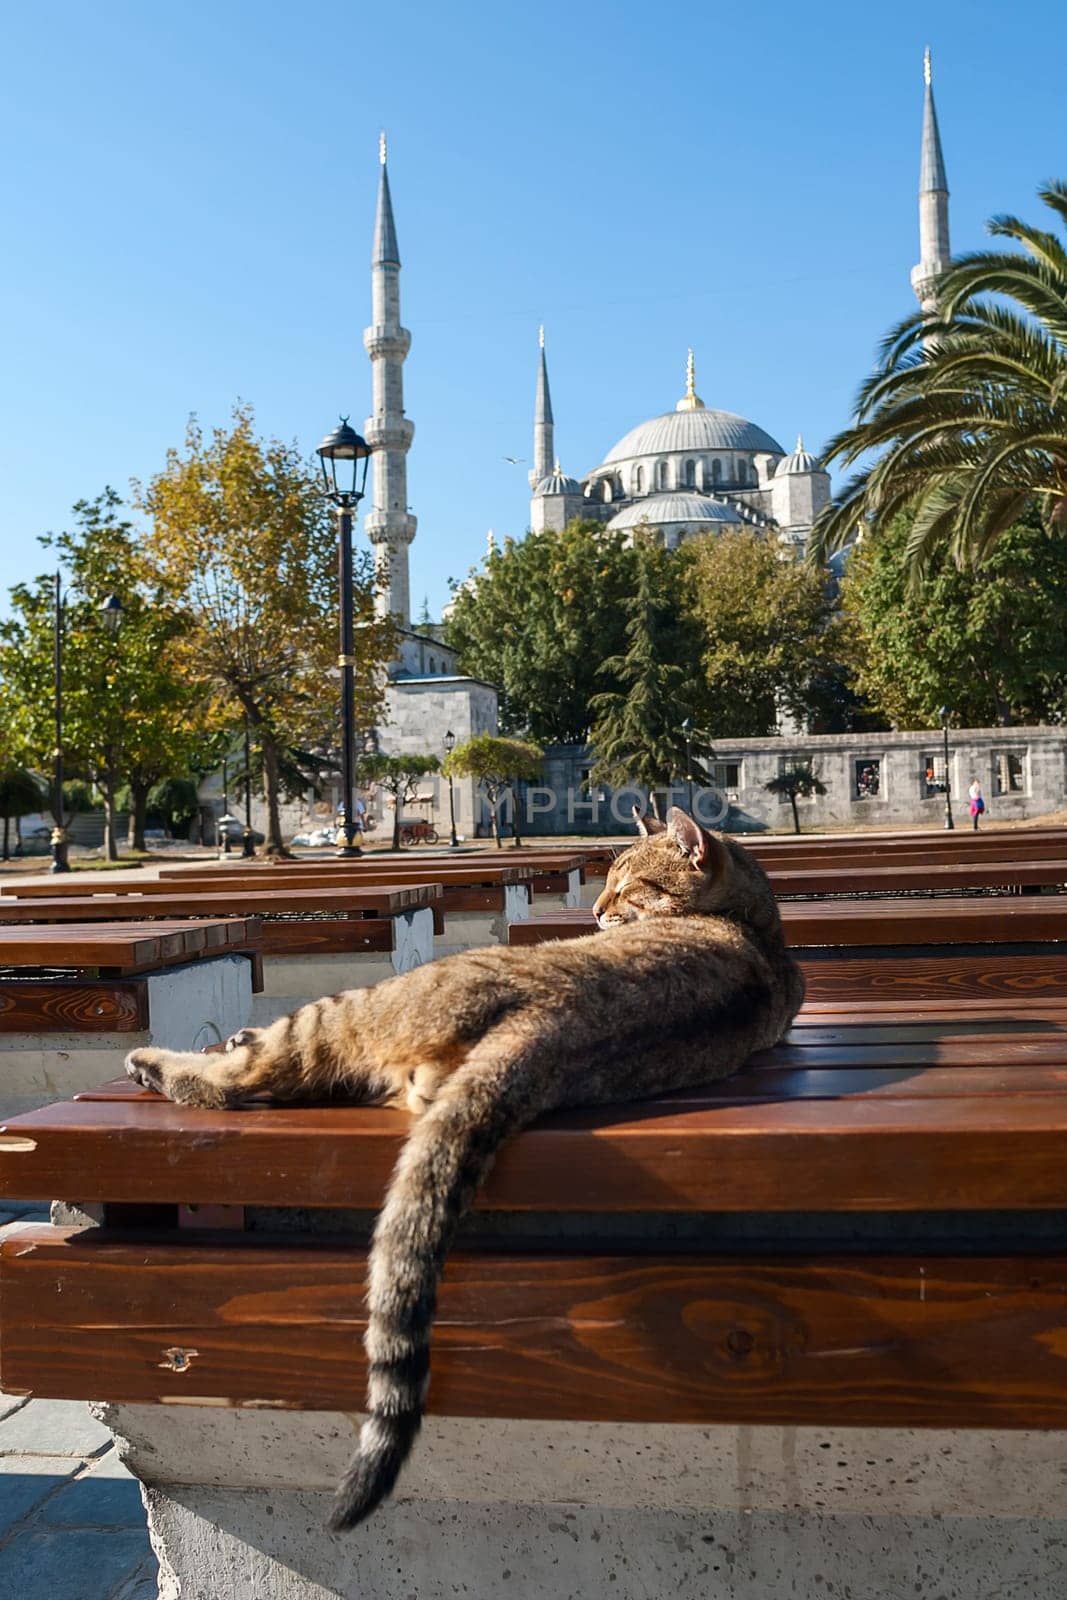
x=801 y=460
x=675 y=510
x=558 y=482
x=691 y=426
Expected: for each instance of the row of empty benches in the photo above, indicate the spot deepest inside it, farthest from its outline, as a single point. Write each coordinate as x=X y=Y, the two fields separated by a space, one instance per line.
x=858 y=1229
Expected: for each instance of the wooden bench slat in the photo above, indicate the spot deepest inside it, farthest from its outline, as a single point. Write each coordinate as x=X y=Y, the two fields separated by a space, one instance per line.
x=854 y=1341
x=855 y=1153
x=58 y=1005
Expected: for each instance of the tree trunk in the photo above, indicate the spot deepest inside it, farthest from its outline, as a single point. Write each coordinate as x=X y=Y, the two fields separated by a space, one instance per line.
x=494 y=806
x=796 y=813
x=396 y=821
x=514 y=792
x=272 y=793
x=7 y=853
x=138 y=811
x=111 y=844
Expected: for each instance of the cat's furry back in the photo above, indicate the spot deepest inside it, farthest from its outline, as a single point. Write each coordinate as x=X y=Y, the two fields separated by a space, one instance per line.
x=688 y=978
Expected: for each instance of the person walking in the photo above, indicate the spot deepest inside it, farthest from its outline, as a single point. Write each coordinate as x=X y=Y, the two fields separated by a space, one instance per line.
x=977 y=803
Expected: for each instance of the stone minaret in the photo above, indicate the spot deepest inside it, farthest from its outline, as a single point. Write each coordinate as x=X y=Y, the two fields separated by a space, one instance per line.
x=390 y=526
x=934 y=252
x=543 y=451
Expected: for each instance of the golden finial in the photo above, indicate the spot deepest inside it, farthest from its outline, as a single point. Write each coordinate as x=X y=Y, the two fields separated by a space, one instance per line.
x=382 y=150
x=557 y=469
x=691 y=400
x=927 y=72
x=800 y=444
x=541 y=336
x=490 y=543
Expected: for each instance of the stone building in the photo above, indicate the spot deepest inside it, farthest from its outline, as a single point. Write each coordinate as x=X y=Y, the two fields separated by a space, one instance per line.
x=870 y=779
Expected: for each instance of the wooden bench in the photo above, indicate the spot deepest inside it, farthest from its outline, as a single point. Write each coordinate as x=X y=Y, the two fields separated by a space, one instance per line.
x=315 y=941
x=909 y=949
x=857 y=1237
x=554 y=879
x=73 y=999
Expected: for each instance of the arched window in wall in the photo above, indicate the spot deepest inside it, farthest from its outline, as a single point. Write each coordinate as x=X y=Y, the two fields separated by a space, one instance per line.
x=742 y=470
x=690 y=474
x=433 y=665
x=661 y=474
x=716 y=471
x=639 y=480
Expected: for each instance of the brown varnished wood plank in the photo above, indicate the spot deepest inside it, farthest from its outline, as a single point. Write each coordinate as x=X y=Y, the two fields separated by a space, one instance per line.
x=856 y=1153
x=331 y=936
x=912 y=878
x=956 y=978
x=867 y=922
x=225 y=901
x=859 y=1341
x=128 y=945
x=60 y=1005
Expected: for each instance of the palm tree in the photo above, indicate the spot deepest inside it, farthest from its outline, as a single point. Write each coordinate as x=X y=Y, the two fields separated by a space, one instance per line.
x=968 y=409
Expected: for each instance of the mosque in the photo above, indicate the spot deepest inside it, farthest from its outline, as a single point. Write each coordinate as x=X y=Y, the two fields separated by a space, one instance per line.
x=687 y=473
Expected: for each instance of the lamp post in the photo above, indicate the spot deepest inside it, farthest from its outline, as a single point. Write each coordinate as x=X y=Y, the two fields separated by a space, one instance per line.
x=687 y=729
x=248 y=846
x=222 y=825
x=111 y=620
x=450 y=745
x=944 y=714
x=344 y=446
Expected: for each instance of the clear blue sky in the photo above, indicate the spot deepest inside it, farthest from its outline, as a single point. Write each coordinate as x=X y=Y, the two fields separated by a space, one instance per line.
x=188 y=197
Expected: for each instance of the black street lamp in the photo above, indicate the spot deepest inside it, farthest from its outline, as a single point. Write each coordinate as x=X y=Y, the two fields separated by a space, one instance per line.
x=111 y=619
x=687 y=729
x=450 y=745
x=944 y=714
x=345 y=449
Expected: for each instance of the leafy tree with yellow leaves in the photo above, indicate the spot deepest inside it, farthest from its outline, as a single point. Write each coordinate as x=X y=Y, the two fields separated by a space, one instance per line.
x=244 y=541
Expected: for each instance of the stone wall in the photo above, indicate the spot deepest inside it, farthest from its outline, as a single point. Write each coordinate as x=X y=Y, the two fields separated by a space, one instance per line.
x=870 y=779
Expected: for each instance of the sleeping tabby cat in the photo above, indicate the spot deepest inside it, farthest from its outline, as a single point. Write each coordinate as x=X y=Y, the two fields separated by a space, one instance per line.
x=689 y=978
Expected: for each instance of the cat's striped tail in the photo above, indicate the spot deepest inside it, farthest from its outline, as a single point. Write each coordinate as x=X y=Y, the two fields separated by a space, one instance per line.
x=502 y=1086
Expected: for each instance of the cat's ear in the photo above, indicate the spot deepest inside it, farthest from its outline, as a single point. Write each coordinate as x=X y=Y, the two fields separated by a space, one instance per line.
x=705 y=853
x=646 y=826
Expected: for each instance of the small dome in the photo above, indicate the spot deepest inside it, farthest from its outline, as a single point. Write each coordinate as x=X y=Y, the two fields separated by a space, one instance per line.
x=669 y=510
x=558 y=482
x=800 y=461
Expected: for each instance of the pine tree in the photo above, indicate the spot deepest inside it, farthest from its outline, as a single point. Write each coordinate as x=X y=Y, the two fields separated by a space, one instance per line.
x=637 y=734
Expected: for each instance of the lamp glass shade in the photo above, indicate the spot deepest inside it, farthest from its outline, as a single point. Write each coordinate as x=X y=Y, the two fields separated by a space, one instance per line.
x=449 y=741
x=344 y=455
x=111 y=613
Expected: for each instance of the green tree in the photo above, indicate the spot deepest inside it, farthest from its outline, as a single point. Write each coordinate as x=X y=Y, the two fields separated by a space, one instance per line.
x=21 y=791
x=245 y=544
x=989 y=641
x=767 y=640
x=795 y=782
x=537 y=621
x=400 y=776
x=500 y=765
x=126 y=705
x=967 y=412
x=637 y=734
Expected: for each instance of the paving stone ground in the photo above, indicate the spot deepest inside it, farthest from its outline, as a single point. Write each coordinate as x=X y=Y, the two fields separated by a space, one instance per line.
x=72 y=1526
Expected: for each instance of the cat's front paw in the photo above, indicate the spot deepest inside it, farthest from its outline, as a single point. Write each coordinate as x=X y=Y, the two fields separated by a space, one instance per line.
x=143 y=1066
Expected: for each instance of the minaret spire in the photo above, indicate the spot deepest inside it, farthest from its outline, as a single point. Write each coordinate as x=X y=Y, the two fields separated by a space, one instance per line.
x=935 y=253
x=544 y=427
x=390 y=526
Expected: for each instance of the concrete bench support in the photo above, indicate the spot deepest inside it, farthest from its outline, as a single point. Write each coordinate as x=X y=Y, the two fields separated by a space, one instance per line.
x=468 y=930
x=290 y=981
x=547 y=1511
x=189 y=1006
